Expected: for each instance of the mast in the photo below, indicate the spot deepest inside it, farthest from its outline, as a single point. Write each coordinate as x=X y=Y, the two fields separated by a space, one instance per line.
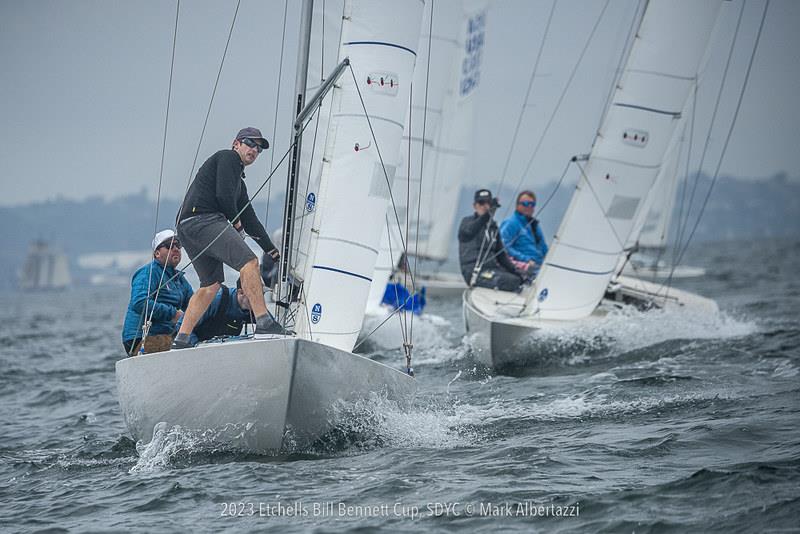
x=291 y=181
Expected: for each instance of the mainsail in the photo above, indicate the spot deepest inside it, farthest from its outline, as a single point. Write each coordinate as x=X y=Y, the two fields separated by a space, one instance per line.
x=627 y=156
x=357 y=157
x=442 y=107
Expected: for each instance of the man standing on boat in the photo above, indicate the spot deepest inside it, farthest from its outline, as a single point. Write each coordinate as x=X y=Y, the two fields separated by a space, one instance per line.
x=522 y=236
x=484 y=262
x=211 y=224
x=159 y=294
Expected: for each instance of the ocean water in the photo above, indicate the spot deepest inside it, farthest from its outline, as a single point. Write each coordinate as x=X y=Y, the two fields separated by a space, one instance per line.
x=651 y=422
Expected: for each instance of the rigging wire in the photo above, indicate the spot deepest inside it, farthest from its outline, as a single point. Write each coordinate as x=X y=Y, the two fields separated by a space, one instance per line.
x=248 y=204
x=713 y=120
x=527 y=95
x=481 y=252
x=202 y=134
x=380 y=158
x=211 y=100
x=419 y=194
x=560 y=100
x=730 y=130
x=148 y=314
x=277 y=103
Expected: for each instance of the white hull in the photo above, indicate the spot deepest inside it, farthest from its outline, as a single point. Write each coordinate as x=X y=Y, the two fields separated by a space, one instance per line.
x=442 y=284
x=500 y=338
x=255 y=395
x=664 y=272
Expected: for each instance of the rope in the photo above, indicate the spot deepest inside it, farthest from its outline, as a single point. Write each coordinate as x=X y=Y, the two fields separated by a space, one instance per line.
x=199 y=143
x=249 y=202
x=713 y=120
x=419 y=193
x=380 y=158
x=277 y=102
x=148 y=313
x=560 y=100
x=527 y=95
x=730 y=130
x=544 y=205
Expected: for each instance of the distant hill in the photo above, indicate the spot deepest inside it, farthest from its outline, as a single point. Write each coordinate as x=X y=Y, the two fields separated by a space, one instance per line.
x=737 y=209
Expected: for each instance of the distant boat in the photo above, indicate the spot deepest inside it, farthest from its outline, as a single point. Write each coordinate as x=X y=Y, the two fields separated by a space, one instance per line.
x=580 y=278
x=46 y=268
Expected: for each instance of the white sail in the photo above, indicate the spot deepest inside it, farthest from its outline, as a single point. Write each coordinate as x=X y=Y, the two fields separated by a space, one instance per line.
x=626 y=158
x=448 y=84
x=655 y=230
x=651 y=227
x=380 y=38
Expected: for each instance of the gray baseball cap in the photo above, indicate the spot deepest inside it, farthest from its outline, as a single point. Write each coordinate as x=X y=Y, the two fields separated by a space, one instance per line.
x=252 y=133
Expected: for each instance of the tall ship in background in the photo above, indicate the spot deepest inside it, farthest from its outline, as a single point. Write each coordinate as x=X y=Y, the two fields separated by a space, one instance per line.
x=46 y=268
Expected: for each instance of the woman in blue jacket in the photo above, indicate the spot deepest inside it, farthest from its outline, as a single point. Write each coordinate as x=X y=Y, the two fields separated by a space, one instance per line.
x=522 y=235
x=164 y=306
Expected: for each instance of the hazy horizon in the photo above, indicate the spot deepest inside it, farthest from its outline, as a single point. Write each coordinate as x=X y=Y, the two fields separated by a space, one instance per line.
x=85 y=91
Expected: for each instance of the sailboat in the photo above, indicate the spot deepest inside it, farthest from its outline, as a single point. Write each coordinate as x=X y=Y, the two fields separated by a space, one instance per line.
x=45 y=268
x=267 y=395
x=432 y=169
x=579 y=280
x=647 y=258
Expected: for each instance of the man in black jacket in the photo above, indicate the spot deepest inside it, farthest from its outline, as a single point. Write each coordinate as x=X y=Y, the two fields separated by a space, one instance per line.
x=211 y=224
x=484 y=262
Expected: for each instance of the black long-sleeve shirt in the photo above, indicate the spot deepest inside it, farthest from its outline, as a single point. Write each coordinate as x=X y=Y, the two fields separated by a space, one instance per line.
x=472 y=232
x=219 y=188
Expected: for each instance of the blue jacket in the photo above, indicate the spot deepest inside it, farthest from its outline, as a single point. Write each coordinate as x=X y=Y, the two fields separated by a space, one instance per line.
x=520 y=238
x=173 y=296
x=229 y=323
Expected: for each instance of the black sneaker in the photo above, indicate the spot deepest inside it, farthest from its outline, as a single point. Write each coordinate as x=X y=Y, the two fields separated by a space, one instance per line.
x=267 y=327
x=178 y=344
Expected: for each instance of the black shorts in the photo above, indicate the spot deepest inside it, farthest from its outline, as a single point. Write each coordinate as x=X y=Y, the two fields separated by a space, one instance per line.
x=196 y=233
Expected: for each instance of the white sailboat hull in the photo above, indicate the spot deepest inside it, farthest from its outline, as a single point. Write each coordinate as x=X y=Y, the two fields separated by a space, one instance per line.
x=499 y=337
x=442 y=284
x=260 y=396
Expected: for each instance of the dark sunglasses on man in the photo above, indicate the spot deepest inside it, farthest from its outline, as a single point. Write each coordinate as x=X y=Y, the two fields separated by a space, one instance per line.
x=253 y=144
x=527 y=203
x=166 y=244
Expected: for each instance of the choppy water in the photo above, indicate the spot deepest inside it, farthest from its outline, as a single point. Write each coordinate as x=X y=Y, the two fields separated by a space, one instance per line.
x=650 y=423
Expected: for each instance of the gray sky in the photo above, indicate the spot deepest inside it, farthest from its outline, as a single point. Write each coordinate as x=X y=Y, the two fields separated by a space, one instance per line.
x=84 y=85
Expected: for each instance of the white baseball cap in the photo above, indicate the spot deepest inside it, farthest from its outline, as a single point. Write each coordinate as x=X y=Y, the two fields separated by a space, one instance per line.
x=163 y=235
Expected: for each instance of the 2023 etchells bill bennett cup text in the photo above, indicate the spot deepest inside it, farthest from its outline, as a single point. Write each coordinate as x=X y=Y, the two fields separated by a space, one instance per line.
x=332 y=509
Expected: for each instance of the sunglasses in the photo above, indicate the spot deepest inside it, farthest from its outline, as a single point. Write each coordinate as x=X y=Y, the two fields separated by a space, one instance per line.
x=483 y=202
x=527 y=203
x=252 y=144
x=165 y=244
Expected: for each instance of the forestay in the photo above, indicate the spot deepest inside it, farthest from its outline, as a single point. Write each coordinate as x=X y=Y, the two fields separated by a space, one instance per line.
x=347 y=213
x=626 y=158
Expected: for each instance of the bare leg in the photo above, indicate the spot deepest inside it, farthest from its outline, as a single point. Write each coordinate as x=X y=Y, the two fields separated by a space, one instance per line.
x=252 y=287
x=198 y=304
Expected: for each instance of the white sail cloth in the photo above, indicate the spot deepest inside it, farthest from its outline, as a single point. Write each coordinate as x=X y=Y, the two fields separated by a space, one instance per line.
x=442 y=106
x=358 y=162
x=626 y=159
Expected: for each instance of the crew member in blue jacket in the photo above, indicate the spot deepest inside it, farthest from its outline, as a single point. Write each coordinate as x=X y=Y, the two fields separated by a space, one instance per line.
x=522 y=236
x=225 y=316
x=163 y=305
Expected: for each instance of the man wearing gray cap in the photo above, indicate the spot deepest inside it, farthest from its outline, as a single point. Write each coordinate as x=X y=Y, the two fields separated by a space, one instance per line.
x=483 y=259
x=215 y=214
